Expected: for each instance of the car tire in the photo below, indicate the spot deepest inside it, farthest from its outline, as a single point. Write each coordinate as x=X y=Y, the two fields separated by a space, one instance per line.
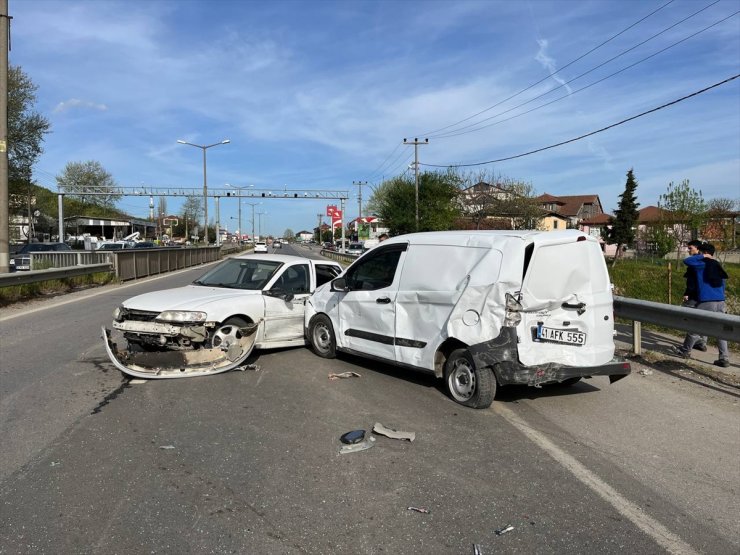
x=468 y=385
x=321 y=336
x=229 y=329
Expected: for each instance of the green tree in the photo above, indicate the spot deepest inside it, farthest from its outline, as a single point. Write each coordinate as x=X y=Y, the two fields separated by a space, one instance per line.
x=288 y=234
x=622 y=224
x=90 y=181
x=26 y=130
x=687 y=210
x=394 y=201
x=191 y=214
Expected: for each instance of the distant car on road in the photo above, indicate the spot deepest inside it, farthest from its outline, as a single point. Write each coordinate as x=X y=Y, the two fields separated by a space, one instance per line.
x=355 y=248
x=276 y=244
x=260 y=246
x=21 y=260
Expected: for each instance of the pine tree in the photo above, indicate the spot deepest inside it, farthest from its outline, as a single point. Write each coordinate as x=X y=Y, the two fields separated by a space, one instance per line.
x=622 y=232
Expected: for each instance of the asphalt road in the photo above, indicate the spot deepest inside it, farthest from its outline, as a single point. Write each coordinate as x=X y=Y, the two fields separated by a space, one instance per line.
x=248 y=462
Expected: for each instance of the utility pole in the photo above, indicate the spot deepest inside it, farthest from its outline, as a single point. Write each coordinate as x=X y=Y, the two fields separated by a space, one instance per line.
x=319 y=228
x=416 y=143
x=359 y=205
x=4 y=212
x=252 y=204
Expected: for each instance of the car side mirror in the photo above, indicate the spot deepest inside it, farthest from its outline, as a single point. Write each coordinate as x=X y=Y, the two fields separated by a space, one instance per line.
x=339 y=285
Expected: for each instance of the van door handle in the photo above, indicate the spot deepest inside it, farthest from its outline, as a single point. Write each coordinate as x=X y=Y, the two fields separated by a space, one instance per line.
x=382 y=300
x=581 y=307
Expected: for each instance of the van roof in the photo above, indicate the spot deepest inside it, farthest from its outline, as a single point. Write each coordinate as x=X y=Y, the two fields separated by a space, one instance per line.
x=480 y=237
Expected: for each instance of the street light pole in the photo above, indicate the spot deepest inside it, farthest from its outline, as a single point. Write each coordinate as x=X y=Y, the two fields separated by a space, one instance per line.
x=252 y=204
x=205 y=182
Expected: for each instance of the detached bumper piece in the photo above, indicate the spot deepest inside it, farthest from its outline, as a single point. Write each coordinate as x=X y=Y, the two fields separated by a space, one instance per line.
x=183 y=364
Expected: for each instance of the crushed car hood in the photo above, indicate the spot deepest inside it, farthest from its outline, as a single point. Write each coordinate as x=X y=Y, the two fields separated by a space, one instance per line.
x=190 y=297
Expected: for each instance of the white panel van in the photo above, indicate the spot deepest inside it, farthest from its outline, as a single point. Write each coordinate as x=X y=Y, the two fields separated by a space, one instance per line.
x=477 y=308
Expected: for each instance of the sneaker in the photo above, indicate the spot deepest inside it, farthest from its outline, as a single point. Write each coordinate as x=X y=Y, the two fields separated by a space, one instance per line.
x=702 y=347
x=679 y=352
x=723 y=363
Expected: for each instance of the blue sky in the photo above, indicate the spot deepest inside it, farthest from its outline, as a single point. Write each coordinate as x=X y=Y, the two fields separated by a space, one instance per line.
x=316 y=95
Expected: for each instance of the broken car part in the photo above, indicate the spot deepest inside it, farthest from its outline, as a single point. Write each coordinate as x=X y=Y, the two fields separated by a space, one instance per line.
x=354 y=448
x=418 y=510
x=504 y=530
x=355 y=436
x=378 y=428
x=229 y=352
x=344 y=375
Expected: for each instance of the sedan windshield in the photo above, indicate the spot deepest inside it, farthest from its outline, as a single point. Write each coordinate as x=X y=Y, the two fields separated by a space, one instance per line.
x=238 y=273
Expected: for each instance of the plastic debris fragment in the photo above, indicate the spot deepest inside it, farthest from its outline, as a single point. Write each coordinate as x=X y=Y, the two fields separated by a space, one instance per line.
x=344 y=375
x=504 y=530
x=418 y=510
x=355 y=447
x=646 y=372
x=137 y=381
x=477 y=549
x=378 y=428
x=255 y=367
x=55 y=463
x=355 y=436
x=166 y=446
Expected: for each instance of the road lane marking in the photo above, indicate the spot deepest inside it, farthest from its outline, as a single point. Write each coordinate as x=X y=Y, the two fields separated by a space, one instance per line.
x=662 y=535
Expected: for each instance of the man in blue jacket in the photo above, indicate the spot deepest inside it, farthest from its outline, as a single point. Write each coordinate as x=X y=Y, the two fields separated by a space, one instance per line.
x=710 y=278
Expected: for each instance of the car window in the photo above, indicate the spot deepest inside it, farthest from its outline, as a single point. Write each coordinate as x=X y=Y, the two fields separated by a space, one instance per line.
x=326 y=272
x=294 y=280
x=240 y=274
x=376 y=271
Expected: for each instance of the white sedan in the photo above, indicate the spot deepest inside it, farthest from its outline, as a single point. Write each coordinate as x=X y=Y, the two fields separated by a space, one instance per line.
x=210 y=326
x=260 y=246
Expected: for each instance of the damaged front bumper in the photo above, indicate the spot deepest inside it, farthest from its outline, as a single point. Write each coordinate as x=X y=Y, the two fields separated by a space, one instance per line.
x=501 y=355
x=230 y=354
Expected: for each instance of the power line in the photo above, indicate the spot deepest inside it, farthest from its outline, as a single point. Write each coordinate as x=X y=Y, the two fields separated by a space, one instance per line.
x=461 y=131
x=430 y=133
x=587 y=134
x=382 y=164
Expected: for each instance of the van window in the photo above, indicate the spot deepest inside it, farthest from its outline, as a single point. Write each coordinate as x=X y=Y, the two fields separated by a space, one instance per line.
x=375 y=271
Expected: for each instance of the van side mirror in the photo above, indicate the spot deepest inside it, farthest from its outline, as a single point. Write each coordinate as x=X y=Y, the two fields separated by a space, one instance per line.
x=339 y=285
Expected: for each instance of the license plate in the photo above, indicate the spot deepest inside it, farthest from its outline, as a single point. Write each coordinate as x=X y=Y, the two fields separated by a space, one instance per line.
x=554 y=335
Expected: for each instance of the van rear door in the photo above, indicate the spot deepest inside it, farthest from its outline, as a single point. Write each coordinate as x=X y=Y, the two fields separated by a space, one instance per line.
x=567 y=299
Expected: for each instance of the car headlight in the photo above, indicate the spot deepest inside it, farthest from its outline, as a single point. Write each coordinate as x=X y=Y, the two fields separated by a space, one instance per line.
x=513 y=306
x=117 y=313
x=12 y=261
x=182 y=316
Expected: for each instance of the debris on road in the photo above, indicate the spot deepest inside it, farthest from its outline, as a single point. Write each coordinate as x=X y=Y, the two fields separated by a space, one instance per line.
x=646 y=372
x=378 y=428
x=137 y=381
x=477 y=549
x=344 y=375
x=418 y=510
x=55 y=463
x=355 y=436
x=254 y=367
x=355 y=447
x=504 y=530
x=166 y=446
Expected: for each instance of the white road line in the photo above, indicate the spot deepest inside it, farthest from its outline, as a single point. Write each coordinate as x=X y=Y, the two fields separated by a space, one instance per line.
x=101 y=291
x=664 y=537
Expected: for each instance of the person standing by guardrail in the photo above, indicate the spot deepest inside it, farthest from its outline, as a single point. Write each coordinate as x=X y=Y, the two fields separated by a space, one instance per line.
x=691 y=294
x=711 y=278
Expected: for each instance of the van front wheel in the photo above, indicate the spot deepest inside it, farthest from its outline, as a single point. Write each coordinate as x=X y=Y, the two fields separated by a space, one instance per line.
x=468 y=385
x=321 y=336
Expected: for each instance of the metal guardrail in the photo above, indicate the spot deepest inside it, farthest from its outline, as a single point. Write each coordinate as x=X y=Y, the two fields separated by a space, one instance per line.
x=712 y=324
x=339 y=256
x=139 y=263
x=24 y=278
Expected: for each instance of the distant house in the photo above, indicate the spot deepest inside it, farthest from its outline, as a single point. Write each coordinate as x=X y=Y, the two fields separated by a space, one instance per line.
x=574 y=209
x=478 y=197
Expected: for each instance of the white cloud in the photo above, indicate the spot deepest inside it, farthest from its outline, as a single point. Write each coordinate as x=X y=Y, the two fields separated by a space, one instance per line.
x=549 y=63
x=74 y=103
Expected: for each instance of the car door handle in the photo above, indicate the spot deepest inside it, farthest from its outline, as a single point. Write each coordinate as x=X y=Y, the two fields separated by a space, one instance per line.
x=580 y=307
x=382 y=300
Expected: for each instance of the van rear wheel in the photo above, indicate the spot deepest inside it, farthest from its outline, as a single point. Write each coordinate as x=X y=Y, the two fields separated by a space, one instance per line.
x=468 y=385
